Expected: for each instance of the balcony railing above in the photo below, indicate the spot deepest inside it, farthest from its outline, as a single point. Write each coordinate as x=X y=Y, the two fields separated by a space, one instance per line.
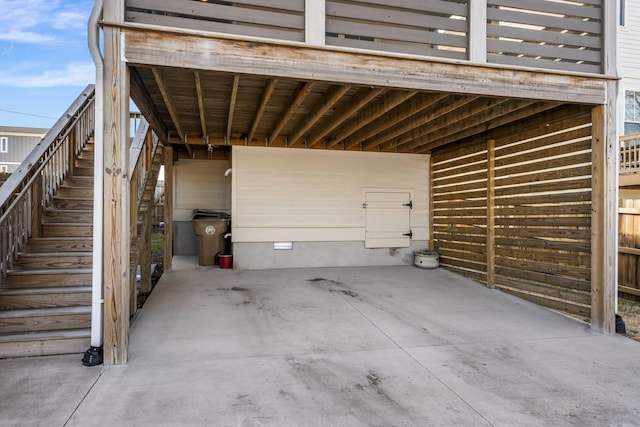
x=630 y=154
x=545 y=34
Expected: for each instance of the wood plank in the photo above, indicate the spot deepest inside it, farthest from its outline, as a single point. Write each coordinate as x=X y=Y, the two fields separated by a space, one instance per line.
x=295 y=102
x=437 y=118
x=362 y=98
x=550 y=233
x=168 y=209
x=550 y=279
x=330 y=98
x=372 y=135
x=538 y=243
x=558 y=293
x=567 y=307
x=167 y=47
x=469 y=265
x=116 y=201
x=545 y=255
x=201 y=111
x=491 y=219
x=603 y=275
x=385 y=104
x=264 y=100
x=570 y=271
x=233 y=97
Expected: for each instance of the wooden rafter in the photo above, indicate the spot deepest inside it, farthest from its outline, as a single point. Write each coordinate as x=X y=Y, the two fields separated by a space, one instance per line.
x=478 y=125
x=160 y=81
x=330 y=98
x=403 y=112
x=266 y=95
x=203 y=121
x=363 y=97
x=286 y=115
x=143 y=101
x=443 y=115
x=387 y=103
x=232 y=105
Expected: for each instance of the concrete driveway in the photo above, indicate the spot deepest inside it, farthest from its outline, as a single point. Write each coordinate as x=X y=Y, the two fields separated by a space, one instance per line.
x=374 y=346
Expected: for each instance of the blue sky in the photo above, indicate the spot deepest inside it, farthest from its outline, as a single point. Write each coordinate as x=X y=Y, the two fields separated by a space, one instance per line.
x=44 y=59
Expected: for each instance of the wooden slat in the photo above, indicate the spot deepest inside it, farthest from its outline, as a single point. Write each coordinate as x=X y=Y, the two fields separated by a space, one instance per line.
x=264 y=100
x=550 y=279
x=362 y=98
x=298 y=98
x=232 y=105
x=578 y=310
x=538 y=243
x=543 y=255
x=558 y=293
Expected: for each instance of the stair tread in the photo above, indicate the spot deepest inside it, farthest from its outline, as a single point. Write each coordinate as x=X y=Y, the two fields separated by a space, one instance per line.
x=41 y=312
x=47 y=271
x=48 y=290
x=46 y=335
x=54 y=254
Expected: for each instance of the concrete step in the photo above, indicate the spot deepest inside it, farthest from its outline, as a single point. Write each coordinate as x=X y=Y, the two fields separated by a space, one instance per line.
x=30 y=298
x=45 y=319
x=45 y=343
x=52 y=260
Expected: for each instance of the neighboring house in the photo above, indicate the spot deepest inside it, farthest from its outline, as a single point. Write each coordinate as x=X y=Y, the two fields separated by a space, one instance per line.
x=629 y=63
x=16 y=143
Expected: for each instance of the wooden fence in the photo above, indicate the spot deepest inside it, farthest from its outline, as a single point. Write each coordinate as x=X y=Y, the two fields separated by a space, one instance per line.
x=629 y=248
x=513 y=209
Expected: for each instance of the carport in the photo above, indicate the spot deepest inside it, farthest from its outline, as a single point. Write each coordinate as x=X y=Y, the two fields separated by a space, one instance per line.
x=517 y=184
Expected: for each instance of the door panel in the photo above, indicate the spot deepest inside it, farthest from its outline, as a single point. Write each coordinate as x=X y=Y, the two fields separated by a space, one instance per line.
x=388 y=219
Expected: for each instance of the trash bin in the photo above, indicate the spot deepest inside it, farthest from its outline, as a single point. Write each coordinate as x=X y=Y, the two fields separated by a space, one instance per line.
x=209 y=228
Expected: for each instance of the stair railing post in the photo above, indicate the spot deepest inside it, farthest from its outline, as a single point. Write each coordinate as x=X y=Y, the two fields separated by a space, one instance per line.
x=36 y=206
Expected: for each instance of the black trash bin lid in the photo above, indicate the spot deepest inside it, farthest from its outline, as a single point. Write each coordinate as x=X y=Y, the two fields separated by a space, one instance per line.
x=207 y=213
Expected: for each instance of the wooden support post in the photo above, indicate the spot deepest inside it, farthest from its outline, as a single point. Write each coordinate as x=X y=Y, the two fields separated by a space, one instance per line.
x=145 y=254
x=116 y=229
x=603 y=219
x=432 y=243
x=168 y=208
x=491 y=220
x=134 y=251
x=478 y=31
x=314 y=22
x=36 y=207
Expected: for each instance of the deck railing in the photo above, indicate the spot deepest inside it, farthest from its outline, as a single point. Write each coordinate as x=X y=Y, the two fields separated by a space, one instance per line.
x=630 y=153
x=545 y=34
x=143 y=172
x=34 y=183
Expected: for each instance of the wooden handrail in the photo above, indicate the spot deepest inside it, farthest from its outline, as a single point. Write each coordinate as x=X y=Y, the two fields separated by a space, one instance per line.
x=34 y=183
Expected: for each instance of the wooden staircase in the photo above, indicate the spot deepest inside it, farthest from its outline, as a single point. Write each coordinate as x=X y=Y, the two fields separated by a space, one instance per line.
x=45 y=300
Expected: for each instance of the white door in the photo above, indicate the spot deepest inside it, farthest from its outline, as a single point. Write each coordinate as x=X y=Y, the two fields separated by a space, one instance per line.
x=388 y=219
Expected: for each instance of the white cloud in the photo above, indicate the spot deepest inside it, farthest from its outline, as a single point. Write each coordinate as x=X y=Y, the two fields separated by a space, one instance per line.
x=41 y=21
x=73 y=74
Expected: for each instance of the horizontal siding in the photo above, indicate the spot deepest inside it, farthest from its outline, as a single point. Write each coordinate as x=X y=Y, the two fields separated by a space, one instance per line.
x=19 y=148
x=628 y=42
x=294 y=189
x=201 y=184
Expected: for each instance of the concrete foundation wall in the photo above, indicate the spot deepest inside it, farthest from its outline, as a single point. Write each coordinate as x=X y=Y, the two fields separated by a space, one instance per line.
x=256 y=256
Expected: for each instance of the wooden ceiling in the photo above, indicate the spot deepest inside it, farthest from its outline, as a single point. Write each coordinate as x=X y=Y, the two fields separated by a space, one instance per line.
x=197 y=111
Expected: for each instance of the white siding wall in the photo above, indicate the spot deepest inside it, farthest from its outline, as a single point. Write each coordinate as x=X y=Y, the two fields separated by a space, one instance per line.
x=628 y=43
x=201 y=184
x=317 y=195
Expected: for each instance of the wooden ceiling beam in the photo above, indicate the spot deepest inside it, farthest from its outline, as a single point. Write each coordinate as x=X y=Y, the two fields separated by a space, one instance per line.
x=403 y=112
x=232 y=104
x=264 y=100
x=361 y=98
x=298 y=98
x=147 y=107
x=329 y=99
x=386 y=104
x=203 y=121
x=528 y=108
x=158 y=75
x=446 y=114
